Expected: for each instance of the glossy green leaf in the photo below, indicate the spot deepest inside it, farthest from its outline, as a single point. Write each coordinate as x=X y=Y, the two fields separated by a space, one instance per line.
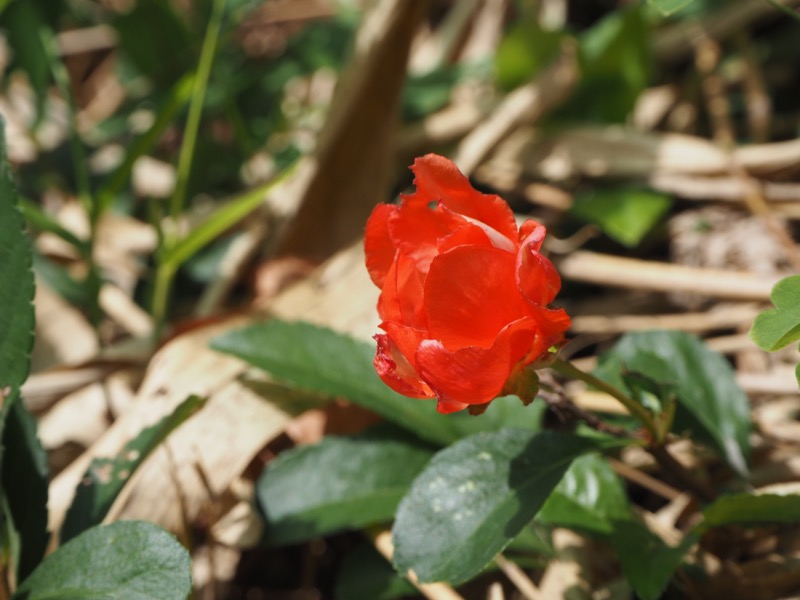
x=24 y=483
x=625 y=214
x=357 y=481
x=323 y=361
x=711 y=405
x=366 y=575
x=130 y=559
x=751 y=509
x=647 y=562
x=667 y=7
x=105 y=477
x=780 y=326
x=474 y=497
x=590 y=496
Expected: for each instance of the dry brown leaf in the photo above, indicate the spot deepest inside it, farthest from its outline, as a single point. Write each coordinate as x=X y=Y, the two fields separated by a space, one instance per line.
x=350 y=170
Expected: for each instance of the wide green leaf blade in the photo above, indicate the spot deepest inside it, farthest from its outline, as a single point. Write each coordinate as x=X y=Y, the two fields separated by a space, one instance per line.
x=474 y=497
x=625 y=214
x=105 y=477
x=323 y=361
x=16 y=283
x=357 y=481
x=780 y=326
x=647 y=562
x=24 y=485
x=130 y=559
x=710 y=403
x=751 y=509
x=590 y=497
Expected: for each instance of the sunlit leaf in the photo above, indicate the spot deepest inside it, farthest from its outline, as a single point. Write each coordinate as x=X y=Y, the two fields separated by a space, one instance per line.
x=474 y=497
x=590 y=496
x=711 y=405
x=624 y=214
x=357 y=481
x=130 y=559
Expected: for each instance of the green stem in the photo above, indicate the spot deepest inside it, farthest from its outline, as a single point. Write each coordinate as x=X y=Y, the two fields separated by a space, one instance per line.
x=196 y=108
x=165 y=271
x=633 y=407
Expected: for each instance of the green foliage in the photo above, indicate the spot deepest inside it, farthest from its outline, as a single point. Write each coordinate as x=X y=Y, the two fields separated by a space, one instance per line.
x=474 y=497
x=525 y=50
x=427 y=93
x=105 y=477
x=711 y=405
x=647 y=562
x=667 y=7
x=749 y=509
x=358 y=481
x=624 y=214
x=23 y=480
x=323 y=361
x=130 y=559
x=365 y=575
x=24 y=485
x=16 y=284
x=24 y=22
x=780 y=326
x=616 y=63
x=589 y=497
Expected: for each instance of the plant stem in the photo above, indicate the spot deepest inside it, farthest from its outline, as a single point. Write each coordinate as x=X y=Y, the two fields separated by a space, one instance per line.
x=165 y=271
x=196 y=108
x=633 y=407
x=656 y=447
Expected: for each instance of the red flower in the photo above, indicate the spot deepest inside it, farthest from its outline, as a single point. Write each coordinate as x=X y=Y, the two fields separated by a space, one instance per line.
x=463 y=292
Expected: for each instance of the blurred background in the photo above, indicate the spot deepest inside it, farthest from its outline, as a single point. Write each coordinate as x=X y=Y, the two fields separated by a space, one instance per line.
x=187 y=164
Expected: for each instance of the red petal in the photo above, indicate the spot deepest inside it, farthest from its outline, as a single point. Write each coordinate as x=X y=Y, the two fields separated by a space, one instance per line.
x=438 y=179
x=538 y=279
x=378 y=246
x=395 y=371
x=401 y=296
x=470 y=295
x=446 y=407
x=415 y=230
x=474 y=375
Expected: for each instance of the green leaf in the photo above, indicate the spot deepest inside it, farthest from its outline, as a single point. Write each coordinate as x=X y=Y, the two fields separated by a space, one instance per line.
x=524 y=51
x=474 y=497
x=590 y=496
x=750 y=509
x=357 y=481
x=616 y=63
x=24 y=485
x=711 y=405
x=221 y=219
x=667 y=7
x=365 y=575
x=105 y=477
x=625 y=214
x=780 y=326
x=130 y=559
x=22 y=22
x=16 y=283
x=323 y=361
x=647 y=562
